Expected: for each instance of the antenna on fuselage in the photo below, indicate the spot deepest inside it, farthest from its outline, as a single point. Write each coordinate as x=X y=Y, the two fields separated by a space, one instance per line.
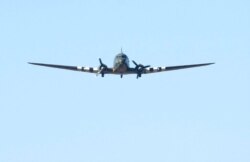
x=121 y=51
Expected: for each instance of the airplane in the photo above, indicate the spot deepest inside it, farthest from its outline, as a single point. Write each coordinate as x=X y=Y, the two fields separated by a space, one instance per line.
x=121 y=67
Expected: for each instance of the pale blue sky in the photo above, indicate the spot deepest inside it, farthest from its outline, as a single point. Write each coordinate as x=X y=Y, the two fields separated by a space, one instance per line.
x=194 y=115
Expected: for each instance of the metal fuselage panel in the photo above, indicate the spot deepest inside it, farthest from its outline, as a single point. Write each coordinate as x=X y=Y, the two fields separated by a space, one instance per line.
x=121 y=64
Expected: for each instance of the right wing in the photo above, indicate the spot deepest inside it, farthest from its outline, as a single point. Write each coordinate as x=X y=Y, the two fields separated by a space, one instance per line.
x=74 y=68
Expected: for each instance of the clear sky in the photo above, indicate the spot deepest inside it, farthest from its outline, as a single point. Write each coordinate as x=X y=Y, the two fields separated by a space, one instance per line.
x=193 y=115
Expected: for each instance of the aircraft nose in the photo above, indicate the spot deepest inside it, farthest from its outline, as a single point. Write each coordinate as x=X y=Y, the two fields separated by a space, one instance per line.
x=122 y=60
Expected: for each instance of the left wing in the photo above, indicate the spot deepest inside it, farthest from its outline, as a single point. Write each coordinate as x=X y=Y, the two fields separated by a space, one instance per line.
x=169 y=68
x=74 y=68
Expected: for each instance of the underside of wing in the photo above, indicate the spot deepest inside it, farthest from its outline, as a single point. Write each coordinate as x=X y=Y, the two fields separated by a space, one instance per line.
x=74 y=68
x=170 y=68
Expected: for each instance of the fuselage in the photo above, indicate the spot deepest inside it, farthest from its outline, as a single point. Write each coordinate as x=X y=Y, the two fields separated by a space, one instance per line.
x=121 y=63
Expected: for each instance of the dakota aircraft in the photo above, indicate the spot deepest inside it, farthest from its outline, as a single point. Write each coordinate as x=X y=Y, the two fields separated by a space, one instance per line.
x=121 y=67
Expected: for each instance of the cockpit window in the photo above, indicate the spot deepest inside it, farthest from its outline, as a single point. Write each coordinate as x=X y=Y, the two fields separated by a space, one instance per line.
x=124 y=56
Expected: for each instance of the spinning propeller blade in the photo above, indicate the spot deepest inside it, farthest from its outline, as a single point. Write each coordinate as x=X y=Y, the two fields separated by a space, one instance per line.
x=139 y=68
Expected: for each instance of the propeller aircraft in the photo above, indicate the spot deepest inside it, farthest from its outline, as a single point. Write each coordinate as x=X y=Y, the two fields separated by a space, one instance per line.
x=121 y=67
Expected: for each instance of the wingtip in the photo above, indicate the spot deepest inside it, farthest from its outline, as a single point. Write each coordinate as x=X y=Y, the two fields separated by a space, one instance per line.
x=211 y=63
x=33 y=63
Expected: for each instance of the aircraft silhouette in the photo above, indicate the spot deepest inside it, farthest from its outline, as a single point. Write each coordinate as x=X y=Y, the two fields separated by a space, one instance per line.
x=121 y=67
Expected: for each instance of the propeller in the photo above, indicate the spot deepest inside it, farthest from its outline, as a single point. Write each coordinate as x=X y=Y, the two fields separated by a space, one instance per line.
x=102 y=67
x=140 y=69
